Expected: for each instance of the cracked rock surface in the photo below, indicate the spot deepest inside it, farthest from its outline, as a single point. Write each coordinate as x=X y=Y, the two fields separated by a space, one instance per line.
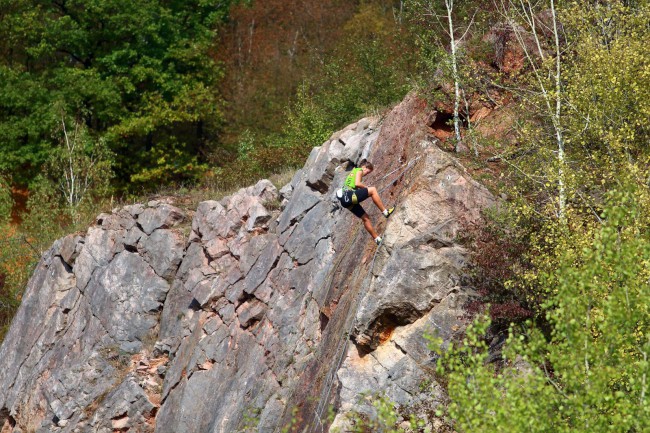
x=92 y=306
x=257 y=315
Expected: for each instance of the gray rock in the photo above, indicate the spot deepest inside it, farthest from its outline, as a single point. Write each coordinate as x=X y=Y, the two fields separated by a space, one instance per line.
x=216 y=344
x=209 y=290
x=321 y=172
x=102 y=245
x=209 y=221
x=252 y=251
x=237 y=206
x=258 y=272
x=354 y=142
x=338 y=134
x=163 y=250
x=135 y=209
x=50 y=277
x=117 y=220
x=163 y=216
x=216 y=248
x=315 y=152
x=315 y=225
x=302 y=201
x=227 y=313
x=235 y=292
x=258 y=216
x=285 y=192
x=363 y=124
x=132 y=238
x=70 y=248
x=134 y=293
x=238 y=245
x=264 y=190
x=367 y=147
x=250 y=311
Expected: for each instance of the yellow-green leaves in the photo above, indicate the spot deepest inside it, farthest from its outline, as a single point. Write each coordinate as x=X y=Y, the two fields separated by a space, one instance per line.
x=591 y=372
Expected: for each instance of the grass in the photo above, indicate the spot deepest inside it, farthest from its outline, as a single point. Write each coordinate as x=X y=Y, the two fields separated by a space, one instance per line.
x=189 y=197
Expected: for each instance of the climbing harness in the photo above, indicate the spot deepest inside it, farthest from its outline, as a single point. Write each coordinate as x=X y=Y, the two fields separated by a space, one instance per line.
x=347 y=197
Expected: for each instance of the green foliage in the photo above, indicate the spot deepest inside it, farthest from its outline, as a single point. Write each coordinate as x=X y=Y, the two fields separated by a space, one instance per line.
x=80 y=167
x=139 y=74
x=605 y=145
x=592 y=375
x=65 y=197
x=293 y=423
x=251 y=420
x=74 y=178
x=17 y=257
x=384 y=418
x=583 y=361
x=246 y=145
x=428 y=28
x=366 y=72
x=609 y=105
x=170 y=162
x=307 y=125
x=604 y=108
x=8 y=300
x=6 y=200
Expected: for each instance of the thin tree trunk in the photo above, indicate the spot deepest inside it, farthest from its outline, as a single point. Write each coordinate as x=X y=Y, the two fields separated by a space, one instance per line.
x=450 y=7
x=554 y=113
x=558 y=128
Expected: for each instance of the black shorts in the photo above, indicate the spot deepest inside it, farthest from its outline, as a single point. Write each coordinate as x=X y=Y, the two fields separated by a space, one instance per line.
x=346 y=201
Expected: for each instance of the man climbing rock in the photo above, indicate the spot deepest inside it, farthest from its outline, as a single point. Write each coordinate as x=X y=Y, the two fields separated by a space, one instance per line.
x=354 y=192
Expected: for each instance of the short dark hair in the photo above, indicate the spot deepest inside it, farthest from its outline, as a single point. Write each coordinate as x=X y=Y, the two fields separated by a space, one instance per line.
x=367 y=164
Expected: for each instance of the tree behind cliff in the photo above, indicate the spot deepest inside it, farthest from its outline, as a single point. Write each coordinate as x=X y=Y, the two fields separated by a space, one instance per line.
x=139 y=73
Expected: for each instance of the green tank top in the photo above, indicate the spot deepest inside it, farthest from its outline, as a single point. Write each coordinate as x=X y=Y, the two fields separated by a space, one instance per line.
x=351 y=180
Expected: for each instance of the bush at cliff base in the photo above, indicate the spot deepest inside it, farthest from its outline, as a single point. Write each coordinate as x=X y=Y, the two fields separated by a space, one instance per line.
x=592 y=373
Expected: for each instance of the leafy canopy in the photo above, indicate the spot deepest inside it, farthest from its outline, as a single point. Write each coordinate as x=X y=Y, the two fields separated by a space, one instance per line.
x=593 y=373
x=139 y=73
x=589 y=373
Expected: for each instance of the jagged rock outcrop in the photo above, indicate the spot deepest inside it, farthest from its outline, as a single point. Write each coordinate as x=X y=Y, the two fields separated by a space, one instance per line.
x=269 y=307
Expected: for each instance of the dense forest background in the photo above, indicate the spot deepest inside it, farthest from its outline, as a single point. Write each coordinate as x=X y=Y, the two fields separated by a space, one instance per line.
x=107 y=102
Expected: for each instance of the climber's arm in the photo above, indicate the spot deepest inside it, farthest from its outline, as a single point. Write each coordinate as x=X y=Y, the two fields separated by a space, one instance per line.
x=357 y=180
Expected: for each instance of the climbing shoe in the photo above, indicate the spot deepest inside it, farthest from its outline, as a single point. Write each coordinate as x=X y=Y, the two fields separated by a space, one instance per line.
x=378 y=240
x=388 y=212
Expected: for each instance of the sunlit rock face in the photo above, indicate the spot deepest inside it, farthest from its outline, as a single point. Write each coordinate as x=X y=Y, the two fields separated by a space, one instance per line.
x=254 y=310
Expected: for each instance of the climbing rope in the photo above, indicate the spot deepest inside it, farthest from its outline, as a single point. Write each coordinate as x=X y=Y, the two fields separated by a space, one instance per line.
x=344 y=339
x=408 y=166
x=413 y=161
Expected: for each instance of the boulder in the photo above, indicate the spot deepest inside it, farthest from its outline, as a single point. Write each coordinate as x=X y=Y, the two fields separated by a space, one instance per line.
x=164 y=216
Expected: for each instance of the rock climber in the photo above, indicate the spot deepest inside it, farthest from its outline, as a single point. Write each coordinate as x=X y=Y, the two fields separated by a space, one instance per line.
x=354 y=192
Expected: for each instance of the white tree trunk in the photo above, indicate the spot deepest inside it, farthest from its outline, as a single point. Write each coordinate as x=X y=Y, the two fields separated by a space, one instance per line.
x=553 y=102
x=454 y=67
x=558 y=128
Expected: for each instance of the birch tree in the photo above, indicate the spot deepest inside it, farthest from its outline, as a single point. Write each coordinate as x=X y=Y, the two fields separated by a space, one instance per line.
x=446 y=19
x=80 y=167
x=521 y=17
x=449 y=5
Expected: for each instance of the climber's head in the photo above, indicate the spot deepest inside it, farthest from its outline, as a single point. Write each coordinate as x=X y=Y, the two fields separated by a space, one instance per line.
x=367 y=167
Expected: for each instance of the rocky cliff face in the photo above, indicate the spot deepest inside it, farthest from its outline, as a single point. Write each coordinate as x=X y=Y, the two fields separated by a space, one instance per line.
x=260 y=311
